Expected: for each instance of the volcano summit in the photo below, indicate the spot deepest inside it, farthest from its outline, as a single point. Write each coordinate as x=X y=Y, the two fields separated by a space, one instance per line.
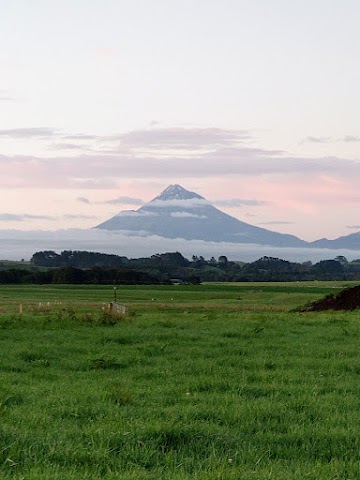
x=179 y=213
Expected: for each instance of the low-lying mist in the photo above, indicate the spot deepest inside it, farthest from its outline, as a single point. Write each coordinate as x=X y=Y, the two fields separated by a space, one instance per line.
x=17 y=245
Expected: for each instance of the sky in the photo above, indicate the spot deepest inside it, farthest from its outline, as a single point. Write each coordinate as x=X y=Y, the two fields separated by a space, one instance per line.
x=254 y=105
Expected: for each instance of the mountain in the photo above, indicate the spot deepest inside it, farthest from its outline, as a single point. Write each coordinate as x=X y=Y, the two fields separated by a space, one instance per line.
x=348 y=242
x=179 y=213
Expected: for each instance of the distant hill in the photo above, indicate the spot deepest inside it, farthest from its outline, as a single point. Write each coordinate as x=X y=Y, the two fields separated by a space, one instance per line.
x=179 y=213
x=349 y=242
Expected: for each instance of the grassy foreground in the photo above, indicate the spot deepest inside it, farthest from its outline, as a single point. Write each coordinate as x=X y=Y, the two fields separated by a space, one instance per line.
x=209 y=382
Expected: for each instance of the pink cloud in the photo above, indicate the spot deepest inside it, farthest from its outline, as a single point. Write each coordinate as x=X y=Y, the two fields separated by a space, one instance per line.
x=275 y=186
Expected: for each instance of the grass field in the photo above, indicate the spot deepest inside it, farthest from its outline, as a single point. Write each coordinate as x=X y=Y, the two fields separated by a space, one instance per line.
x=196 y=382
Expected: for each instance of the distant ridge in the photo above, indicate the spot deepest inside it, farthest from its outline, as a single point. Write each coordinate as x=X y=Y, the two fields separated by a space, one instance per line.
x=348 y=242
x=180 y=213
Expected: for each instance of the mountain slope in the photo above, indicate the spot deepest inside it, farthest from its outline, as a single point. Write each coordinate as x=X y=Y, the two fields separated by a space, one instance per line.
x=349 y=242
x=179 y=213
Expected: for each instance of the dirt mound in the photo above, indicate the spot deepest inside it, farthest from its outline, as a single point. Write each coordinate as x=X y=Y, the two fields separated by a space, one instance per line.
x=347 y=299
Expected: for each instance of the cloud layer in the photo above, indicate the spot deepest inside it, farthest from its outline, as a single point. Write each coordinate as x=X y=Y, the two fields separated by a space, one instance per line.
x=125 y=201
x=239 y=202
x=165 y=153
x=17 y=245
x=230 y=170
x=13 y=217
x=184 y=138
x=98 y=171
x=16 y=133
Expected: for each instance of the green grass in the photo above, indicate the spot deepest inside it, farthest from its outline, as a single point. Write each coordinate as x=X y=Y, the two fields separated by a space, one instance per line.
x=203 y=386
x=280 y=296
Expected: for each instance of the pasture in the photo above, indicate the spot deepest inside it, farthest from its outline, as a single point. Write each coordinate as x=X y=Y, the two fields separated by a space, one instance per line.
x=217 y=381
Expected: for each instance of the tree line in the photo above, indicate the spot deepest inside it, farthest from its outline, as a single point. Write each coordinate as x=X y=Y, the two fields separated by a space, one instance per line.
x=73 y=266
x=72 y=275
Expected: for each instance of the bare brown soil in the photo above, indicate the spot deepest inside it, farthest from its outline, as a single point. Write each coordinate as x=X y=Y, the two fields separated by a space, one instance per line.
x=347 y=299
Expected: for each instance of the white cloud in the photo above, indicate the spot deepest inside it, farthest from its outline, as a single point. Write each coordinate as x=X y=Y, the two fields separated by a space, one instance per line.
x=81 y=136
x=125 y=201
x=87 y=182
x=312 y=139
x=186 y=215
x=65 y=146
x=69 y=216
x=27 y=132
x=6 y=98
x=22 y=217
x=183 y=138
x=351 y=138
x=187 y=203
x=134 y=213
x=83 y=200
x=103 y=171
x=240 y=202
x=345 y=138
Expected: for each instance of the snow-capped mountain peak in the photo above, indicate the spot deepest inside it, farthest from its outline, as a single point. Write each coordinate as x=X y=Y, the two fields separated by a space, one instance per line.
x=176 y=192
x=179 y=213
